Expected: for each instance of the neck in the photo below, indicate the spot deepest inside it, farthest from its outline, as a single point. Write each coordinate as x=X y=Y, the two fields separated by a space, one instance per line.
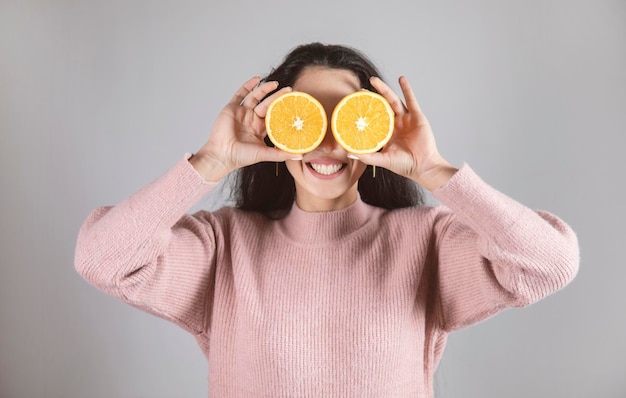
x=316 y=203
x=320 y=205
x=319 y=228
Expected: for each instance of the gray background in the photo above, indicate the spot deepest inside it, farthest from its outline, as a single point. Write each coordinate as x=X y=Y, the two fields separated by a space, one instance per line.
x=97 y=98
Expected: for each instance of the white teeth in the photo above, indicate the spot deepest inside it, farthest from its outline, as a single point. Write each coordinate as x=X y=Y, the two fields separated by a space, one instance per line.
x=326 y=169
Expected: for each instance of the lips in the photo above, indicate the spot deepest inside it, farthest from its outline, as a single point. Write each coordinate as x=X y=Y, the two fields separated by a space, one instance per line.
x=326 y=169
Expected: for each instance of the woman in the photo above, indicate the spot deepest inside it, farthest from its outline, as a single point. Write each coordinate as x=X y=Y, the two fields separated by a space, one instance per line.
x=323 y=281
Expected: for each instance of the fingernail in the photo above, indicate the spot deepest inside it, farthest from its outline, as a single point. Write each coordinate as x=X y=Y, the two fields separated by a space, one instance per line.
x=351 y=156
x=296 y=158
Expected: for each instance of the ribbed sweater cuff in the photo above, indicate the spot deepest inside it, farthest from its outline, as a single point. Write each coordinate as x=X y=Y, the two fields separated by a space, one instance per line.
x=169 y=197
x=477 y=204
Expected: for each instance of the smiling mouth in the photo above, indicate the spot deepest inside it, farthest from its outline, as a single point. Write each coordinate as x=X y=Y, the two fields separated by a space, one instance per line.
x=326 y=169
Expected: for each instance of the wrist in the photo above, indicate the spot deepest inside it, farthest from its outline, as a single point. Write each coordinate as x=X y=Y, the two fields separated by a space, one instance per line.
x=437 y=176
x=208 y=166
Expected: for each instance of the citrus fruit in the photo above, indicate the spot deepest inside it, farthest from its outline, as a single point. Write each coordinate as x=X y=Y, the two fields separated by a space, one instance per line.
x=296 y=122
x=362 y=122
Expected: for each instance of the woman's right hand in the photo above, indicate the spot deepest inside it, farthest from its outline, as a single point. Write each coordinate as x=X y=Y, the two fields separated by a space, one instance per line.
x=237 y=137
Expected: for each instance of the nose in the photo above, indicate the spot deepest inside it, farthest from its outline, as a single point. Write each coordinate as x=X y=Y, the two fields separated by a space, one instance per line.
x=329 y=143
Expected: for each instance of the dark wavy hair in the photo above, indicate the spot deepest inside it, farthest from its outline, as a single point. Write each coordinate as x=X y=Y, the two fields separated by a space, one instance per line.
x=268 y=187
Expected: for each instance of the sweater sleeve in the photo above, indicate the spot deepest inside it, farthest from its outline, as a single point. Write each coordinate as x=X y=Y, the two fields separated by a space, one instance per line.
x=496 y=253
x=149 y=253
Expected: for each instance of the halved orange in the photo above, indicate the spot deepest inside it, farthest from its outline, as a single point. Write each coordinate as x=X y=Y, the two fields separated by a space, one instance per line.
x=362 y=122
x=296 y=122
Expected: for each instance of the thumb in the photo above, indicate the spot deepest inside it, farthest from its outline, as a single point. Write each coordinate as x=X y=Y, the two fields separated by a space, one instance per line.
x=372 y=159
x=270 y=154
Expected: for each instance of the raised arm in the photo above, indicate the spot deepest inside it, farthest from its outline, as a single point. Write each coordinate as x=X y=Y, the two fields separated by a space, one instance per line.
x=495 y=253
x=146 y=250
x=149 y=253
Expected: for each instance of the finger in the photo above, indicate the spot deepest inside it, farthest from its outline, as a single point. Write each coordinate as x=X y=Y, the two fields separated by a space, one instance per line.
x=244 y=90
x=268 y=154
x=396 y=103
x=377 y=159
x=261 y=109
x=409 y=95
x=257 y=94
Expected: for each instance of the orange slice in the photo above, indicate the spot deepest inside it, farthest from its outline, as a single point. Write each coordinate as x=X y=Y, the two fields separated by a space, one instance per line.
x=362 y=122
x=296 y=122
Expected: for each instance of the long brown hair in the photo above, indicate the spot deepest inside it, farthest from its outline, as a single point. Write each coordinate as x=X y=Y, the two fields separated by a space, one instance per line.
x=269 y=188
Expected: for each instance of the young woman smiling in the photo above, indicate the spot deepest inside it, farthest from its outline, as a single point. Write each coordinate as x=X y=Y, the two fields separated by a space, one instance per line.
x=322 y=280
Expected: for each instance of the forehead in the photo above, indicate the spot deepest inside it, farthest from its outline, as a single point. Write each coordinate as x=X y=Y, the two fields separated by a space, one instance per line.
x=326 y=84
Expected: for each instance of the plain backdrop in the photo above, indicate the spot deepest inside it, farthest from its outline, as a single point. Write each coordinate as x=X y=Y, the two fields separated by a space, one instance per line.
x=98 y=98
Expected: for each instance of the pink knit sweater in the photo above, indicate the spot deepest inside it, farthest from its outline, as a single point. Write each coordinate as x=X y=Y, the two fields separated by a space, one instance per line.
x=350 y=303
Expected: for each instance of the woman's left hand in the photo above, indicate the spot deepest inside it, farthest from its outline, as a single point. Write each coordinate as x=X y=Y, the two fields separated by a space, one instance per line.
x=412 y=151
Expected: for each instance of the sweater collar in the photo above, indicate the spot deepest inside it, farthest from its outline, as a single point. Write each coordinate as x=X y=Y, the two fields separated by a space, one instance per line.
x=325 y=226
